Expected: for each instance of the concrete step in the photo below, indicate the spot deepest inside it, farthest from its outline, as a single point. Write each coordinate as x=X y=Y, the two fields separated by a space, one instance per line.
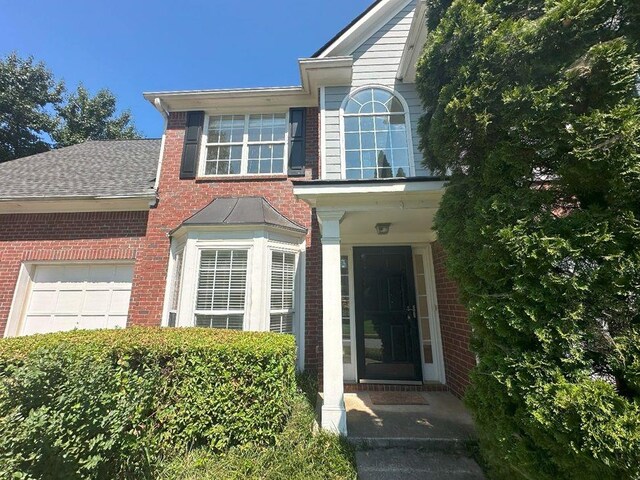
x=431 y=444
x=415 y=464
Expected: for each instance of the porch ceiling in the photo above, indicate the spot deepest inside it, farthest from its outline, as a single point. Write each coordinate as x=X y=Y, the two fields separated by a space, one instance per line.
x=408 y=206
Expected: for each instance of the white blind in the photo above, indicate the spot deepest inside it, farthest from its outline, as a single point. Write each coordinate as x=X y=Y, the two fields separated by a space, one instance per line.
x=283 y=267
x=222 y=284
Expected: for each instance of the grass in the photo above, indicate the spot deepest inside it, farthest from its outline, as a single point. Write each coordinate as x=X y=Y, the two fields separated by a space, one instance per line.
x=298 y=453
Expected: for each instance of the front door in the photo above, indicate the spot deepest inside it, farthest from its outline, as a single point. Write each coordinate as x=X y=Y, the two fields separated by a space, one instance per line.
x=387 y=332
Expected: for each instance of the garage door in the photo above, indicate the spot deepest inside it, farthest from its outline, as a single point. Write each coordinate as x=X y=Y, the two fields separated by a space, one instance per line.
x=80 y=296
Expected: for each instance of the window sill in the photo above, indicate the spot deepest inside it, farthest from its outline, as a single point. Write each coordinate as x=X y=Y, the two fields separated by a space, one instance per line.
x=243 y=178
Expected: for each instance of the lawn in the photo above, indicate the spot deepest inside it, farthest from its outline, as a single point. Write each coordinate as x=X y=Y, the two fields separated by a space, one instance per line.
x=298 y=453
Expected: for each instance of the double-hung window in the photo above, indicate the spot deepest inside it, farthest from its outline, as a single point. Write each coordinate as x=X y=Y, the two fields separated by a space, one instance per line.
x=281 y=310
x=222 y=285
x=251 y=144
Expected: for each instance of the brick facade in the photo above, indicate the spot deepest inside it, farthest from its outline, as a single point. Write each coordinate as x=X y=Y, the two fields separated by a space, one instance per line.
x=454 y=325
x=143 y=237
x=64 y=236
x=179 y=199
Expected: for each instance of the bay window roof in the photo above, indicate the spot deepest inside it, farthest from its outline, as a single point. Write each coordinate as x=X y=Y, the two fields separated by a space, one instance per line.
x=241 y=211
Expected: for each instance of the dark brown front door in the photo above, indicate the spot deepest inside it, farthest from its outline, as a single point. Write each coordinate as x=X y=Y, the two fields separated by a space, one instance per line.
x=386 y=326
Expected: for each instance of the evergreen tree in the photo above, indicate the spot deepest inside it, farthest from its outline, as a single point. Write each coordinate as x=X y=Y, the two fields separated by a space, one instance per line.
x=533 y=108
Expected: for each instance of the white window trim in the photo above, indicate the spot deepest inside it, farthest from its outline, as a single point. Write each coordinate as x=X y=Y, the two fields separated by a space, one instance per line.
x=244 y=163
x=407 y=121
x=350 y=369
x=283 y=248
x=248 y=287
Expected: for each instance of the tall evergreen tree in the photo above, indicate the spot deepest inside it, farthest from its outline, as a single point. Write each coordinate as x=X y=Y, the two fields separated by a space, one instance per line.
x=28 y=91
x=533 y=108
x=84 y=117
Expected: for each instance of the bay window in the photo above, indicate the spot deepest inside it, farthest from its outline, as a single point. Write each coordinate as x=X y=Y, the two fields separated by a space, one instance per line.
x=252 y=144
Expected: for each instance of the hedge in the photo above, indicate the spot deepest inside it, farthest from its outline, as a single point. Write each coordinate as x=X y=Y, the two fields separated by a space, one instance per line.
x=111 y=404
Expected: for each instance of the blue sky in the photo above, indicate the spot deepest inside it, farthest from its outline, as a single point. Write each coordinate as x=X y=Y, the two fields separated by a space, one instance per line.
x=131 y=46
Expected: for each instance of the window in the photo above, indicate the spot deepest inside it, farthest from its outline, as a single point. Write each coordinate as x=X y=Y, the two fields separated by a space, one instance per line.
x=246 y=144
x=346 y=309
x=281 y=311
x=175 y=289
x=221 y=293
x=375 y=136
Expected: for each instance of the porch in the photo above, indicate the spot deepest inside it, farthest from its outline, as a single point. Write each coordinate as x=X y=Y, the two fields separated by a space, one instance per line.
x=380 y=315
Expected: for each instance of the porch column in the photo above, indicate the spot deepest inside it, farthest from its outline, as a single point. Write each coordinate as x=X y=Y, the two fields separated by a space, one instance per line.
x=334 y=415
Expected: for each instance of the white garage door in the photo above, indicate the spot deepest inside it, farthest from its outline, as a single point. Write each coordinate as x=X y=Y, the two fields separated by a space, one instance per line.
x=80 y=296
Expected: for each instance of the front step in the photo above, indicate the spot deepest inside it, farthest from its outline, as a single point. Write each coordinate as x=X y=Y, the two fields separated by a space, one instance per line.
x=415 y=464
x=447 y=445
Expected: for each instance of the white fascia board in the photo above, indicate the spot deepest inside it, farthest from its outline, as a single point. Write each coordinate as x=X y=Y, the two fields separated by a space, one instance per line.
x=363 y=28
x=415 y=41
x=248 y=227
x=77 y=204
x=368 y=188
x=313 y=74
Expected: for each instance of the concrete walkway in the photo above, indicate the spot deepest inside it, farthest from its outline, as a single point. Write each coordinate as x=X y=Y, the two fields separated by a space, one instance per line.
x=427 y=442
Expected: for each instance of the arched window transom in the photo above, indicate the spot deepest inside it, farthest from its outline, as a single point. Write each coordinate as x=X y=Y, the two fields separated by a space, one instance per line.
x=375 y=136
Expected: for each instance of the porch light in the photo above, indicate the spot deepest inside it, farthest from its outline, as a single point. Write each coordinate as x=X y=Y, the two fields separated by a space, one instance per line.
x=382 y=228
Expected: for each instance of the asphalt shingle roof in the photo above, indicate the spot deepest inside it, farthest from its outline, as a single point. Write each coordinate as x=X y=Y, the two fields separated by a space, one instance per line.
x=94 y=169
x=242 y=211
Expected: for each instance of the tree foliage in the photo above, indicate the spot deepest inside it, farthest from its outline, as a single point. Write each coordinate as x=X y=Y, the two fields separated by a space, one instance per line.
x=533 y=107
x=27 y=90
x=84 y=117
x=35 y=116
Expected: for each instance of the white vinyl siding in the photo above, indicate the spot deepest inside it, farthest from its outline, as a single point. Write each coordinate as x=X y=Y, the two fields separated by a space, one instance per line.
x=222 y=285
x=78 y=296
x=282 y=301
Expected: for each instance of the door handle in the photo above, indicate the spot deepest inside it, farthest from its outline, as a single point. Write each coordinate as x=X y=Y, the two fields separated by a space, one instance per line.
x=411 y=310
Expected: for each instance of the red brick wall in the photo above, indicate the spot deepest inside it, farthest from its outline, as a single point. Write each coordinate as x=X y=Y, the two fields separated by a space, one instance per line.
x=64 y=236
x=179 y=199
x=143 y=236
x=455 y=328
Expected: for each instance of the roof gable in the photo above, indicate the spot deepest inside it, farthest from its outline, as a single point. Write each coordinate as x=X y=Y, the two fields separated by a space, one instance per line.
x=362 y=28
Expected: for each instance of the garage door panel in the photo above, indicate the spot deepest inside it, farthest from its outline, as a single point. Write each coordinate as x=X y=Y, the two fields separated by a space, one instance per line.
x=69 y=302
x=96 y=301
x=102 y=273
x=42 y=301
x=117 y=321
x=67 y=297
x=123 y=275
x=92 y=322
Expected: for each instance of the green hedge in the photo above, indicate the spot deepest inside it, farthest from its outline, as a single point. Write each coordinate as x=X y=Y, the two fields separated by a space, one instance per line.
x=111 y=404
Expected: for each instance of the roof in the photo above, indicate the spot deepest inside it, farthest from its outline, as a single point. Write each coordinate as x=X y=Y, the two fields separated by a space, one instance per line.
x=105 y=168
x=233 y=211
x=346 y=29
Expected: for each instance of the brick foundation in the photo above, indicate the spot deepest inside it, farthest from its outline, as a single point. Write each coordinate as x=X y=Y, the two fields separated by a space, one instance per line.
x=454 y=325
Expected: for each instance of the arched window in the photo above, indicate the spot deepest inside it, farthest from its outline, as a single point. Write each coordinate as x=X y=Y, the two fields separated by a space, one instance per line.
x=375 y=135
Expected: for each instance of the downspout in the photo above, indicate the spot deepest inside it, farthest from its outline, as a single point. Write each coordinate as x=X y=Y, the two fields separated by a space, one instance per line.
x=161 y=107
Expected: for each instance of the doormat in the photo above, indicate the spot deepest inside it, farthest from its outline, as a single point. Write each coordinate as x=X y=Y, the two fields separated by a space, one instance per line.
x=397 y=398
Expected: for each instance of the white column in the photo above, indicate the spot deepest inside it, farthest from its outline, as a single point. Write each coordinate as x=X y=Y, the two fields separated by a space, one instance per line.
x=334 y=415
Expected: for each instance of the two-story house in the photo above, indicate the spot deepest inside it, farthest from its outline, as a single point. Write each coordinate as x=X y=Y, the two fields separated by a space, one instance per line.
x=302 y=210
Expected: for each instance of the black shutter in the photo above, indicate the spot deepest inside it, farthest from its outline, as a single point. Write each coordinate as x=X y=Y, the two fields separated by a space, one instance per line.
x=297 y=127
x=191 y=150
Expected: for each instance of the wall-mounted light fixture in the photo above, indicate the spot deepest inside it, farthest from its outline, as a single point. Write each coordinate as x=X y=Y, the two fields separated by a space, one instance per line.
x=382 y=228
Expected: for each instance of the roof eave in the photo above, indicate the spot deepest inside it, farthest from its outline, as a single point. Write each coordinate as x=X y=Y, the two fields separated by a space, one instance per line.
x=415 y=42
x=313 y=74
x=78 y=203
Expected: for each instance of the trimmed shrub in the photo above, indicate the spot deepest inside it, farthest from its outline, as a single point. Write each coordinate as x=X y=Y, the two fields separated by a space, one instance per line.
x=111 y=404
